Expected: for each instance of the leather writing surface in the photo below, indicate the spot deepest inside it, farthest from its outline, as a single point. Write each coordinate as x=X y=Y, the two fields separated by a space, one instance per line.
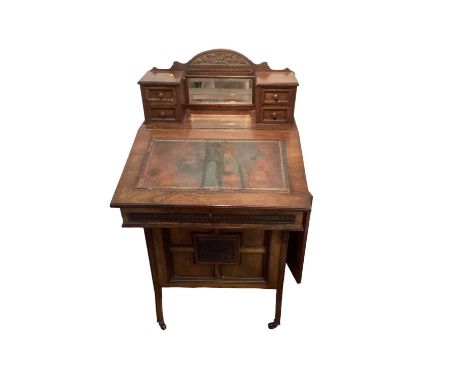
x=217 y=164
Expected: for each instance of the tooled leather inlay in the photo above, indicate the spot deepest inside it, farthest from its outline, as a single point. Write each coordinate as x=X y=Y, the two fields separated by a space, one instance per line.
x=214 y=164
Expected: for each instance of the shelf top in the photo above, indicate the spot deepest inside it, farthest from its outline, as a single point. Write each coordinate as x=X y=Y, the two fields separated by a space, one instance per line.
x=276 y=78
x=162 y=77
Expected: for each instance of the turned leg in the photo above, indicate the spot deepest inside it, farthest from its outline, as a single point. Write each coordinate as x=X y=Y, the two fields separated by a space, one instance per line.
x=280 y=282
x=157 y=287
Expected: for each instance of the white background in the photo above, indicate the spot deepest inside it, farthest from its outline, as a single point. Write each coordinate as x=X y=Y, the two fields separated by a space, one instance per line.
x=382 y=112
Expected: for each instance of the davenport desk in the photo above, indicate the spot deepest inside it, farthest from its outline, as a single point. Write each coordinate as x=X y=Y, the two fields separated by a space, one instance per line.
x=216 y=178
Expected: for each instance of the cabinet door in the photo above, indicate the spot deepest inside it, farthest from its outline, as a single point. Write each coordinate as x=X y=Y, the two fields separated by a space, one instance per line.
x=222 y=258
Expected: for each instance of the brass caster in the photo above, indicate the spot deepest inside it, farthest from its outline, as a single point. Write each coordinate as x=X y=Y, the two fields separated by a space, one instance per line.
x=273 y=325
x=162 y=325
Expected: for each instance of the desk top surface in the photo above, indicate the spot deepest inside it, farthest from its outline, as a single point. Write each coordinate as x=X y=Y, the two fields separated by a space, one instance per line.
x=205 y=166
x=213 y=165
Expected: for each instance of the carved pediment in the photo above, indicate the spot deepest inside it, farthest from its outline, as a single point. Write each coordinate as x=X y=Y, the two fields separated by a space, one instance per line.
x=220 y=60
x=220 y=57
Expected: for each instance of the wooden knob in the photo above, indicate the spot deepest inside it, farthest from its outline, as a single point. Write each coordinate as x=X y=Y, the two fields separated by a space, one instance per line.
x=162 y=114
x=160 y=95
x=275 y=97
x=274 y=116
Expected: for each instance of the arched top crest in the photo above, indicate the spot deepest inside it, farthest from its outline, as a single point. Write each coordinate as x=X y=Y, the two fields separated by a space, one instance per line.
x=220 y=57
x=220 y=60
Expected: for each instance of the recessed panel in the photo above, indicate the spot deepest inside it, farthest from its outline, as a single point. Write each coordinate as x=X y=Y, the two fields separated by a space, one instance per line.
x=253 y=238
x=180 y=236
x=184 y=266
x=252 y=265
x=217 y=249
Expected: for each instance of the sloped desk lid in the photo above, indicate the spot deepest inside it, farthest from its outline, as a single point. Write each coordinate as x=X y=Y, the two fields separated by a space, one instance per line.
x=214 y=165
x=204 y=168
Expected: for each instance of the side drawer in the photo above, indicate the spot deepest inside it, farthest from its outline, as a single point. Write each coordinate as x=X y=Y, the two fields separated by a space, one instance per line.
x=159 y=95
x=157 y=113
x=280 y=115
x=277 y=96
x=168 y=217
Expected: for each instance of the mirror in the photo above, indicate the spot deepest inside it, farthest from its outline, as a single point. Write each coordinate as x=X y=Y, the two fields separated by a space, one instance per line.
x=220 y=91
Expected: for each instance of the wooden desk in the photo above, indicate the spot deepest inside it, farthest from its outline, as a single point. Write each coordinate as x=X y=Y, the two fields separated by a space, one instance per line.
x=222 y=198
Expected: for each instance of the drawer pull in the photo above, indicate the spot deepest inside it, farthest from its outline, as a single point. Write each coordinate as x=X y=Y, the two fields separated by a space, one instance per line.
x=162 y=114
x=160 y=95
x=276 y=97
x=274 y=116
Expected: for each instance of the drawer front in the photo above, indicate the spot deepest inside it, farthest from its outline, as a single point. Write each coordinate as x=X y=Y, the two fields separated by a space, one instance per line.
x=163 y=218
x=160 y=95
x=275 y=115
x=161 y=113
x=277 y=97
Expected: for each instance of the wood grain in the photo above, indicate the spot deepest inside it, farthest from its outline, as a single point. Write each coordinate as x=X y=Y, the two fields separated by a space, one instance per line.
x=220 y=189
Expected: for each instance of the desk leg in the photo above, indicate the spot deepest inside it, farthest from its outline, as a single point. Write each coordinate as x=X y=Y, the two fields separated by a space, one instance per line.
x=157 y=287
x=280 y=282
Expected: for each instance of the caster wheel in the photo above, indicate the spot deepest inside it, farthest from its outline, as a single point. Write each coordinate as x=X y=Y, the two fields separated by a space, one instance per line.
x=272 y=325
x=162 y=325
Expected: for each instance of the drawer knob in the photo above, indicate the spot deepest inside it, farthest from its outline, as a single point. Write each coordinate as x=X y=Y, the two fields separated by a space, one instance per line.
x=162 y=114
x=275 y=97
x=274 y=116
x=161 y=95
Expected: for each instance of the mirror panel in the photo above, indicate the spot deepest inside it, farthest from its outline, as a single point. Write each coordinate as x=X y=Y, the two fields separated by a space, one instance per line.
x=237 y=91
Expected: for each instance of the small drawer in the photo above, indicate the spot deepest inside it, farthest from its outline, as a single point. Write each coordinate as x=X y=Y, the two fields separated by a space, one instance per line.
x=275 y=115
x=161 y=113
x=160 y=95
x=277 y=97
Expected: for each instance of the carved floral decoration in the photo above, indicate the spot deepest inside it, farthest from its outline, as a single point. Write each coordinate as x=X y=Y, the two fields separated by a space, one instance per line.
x=220 y=58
